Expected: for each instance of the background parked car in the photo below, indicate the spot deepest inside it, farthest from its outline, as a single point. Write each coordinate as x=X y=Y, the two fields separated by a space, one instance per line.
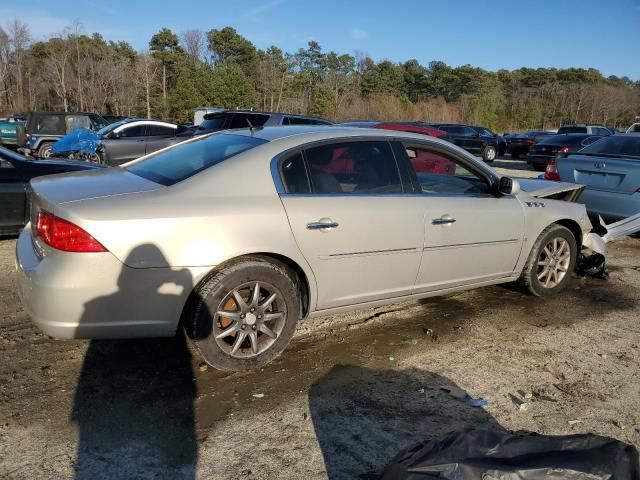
x=547 y=148
x=590 y=129
x=132 y=138
x=520 y=143
x=9 y=130
x=414 y=127
x=635 y=128
x=114 y=118
x=15 y=173
x=227 y=119
x=42 y=129
x=610 y=171
x=479 y=141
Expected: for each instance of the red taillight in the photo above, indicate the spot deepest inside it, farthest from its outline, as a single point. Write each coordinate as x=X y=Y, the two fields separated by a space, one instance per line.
x=65 y=236
x=551 y=173
x=564 y=150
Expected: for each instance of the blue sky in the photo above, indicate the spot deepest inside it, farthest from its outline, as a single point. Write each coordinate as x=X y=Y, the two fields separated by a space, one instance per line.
x=492 y=34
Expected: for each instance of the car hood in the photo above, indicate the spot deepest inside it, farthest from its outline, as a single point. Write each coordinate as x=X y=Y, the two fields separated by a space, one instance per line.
x=569 y=192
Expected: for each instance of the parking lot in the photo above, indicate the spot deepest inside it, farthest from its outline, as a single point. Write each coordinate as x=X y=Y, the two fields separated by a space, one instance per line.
x=349 y=393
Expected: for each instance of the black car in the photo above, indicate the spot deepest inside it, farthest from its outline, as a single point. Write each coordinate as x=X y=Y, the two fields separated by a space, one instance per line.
x=520 y=143
x=547 y=148
x=228 y=119
x=477 y=140
x=43 y=129
x=15 y=173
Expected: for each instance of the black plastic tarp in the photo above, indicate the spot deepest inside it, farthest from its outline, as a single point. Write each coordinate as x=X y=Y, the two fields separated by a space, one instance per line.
x=493 y=455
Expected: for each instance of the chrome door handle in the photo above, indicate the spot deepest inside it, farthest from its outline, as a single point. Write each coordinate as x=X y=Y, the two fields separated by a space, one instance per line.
x=321 y=225
x=443 y=221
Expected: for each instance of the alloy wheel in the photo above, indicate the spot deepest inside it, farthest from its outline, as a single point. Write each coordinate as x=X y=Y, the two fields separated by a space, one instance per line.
x=553 y=262
x=249 y=319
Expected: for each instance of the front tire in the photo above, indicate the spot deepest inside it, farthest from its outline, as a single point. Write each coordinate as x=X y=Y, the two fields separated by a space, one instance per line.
x=45 y=150
x=551 y=262
x=245 y=314
x=489 y=153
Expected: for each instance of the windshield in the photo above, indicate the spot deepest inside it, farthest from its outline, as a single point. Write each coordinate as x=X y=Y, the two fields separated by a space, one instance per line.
x=111 y=127
x=626 y=145
x=185 y=160
x=98 y=121
x=486 y=132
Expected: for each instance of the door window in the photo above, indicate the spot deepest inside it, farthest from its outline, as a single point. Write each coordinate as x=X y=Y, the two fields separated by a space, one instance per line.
x=469 y=132
x=159 y=130
x=50 y=125
x=133 y=131
x=440 y=174
x=353 y=167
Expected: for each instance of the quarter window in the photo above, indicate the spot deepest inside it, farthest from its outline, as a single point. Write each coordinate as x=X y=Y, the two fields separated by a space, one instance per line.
x=439 y=174
x=294 y=174
x=353 y=167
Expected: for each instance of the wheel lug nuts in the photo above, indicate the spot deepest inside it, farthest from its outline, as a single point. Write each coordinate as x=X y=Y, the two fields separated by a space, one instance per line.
x=259 y=315
x=243 y=326
x=254 y=327
x=253 y=309
x=242 y=315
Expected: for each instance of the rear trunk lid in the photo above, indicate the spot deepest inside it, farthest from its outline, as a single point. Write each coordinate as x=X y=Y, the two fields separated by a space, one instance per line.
x=606 y=173
x=72 y=187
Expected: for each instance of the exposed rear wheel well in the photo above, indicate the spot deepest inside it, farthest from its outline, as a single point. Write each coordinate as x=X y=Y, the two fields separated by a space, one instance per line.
x=303 y=282
x=574 y=228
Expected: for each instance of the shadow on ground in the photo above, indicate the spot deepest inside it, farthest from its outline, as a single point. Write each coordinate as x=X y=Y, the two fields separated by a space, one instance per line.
x=363 y=418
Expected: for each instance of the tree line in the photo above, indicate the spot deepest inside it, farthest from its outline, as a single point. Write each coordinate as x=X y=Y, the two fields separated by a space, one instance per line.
x=179 y=72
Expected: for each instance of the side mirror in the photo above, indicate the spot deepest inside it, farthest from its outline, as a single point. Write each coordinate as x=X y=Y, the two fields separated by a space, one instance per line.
x=508 y=186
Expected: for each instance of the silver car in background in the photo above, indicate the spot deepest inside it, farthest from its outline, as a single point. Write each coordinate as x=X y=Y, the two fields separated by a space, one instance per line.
x=238 y=235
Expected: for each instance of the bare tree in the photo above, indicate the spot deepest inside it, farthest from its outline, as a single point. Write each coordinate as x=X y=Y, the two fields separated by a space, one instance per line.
x=194 y=43
x=20 y=38
x=148 y=74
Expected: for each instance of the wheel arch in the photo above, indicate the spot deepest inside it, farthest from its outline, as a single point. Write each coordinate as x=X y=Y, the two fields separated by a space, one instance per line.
x=574 y=228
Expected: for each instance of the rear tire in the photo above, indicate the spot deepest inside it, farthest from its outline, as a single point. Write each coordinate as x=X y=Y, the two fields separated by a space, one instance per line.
x=551 y=262
x=258 y=325
x=45 y=150
x=489 y=154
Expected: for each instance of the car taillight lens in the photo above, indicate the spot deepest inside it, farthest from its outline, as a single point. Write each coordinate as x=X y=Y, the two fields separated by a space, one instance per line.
x=564 y=150
x=63 y=235
x=551 y=173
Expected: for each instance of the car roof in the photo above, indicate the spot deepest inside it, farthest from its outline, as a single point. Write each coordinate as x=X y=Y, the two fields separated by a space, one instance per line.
x=258 y=112
x=320 y=132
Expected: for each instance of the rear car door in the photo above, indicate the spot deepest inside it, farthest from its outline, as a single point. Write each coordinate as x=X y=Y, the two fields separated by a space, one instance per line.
x=471 y=236
x=128 y=143
x=13 y=197
x=159 y=136
x=355 y=225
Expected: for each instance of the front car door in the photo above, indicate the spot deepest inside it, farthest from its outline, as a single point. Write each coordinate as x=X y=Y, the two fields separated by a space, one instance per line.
x=159 y=136
x=125 y=143
x=357 y=228
x=471 y=236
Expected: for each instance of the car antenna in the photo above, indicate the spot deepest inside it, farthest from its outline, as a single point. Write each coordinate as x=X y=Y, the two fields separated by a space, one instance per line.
x=251 y=127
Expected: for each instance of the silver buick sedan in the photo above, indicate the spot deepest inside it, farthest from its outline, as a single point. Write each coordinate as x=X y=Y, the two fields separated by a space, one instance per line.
x=237 y=236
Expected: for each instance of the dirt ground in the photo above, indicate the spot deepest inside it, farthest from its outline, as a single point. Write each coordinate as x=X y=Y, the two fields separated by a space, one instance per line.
x=344 y=398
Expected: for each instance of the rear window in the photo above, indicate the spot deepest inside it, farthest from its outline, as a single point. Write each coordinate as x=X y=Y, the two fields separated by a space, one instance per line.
x=246 y=120
x=183 y=161
x=570 y=139
x=213 y=123
x=615 y=145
